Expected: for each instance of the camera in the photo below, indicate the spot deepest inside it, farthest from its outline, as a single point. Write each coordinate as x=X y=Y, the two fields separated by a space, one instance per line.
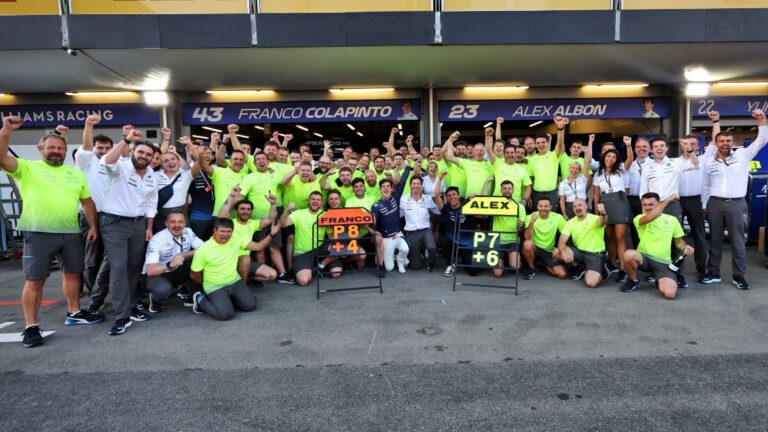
x=71 y=52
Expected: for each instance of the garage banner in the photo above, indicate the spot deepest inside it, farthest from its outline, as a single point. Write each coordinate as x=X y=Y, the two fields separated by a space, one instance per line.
x=732 y=106
x=159 y=6
x=75 y=115
x=29 y=7
x=546 y=109
x=300 y=112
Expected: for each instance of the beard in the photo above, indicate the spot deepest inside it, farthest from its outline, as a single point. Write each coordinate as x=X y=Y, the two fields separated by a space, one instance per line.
x=139 y=165
x=53 y=160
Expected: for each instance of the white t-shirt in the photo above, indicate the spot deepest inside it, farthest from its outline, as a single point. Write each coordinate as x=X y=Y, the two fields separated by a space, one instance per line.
x=571 y=191
x=180 y=188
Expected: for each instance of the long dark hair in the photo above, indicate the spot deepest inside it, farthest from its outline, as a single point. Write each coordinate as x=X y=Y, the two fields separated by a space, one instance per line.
x=615 y=168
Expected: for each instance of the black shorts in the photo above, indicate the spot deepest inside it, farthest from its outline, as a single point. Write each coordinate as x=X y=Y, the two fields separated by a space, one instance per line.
x=305 y=261
x=276 y=242
x=545 y=258
x=509 y=247
x=660 y=270
x=40 y=248
x=592 y=261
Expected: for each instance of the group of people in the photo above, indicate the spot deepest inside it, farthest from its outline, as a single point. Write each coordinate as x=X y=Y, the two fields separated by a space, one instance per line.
x=204 y=220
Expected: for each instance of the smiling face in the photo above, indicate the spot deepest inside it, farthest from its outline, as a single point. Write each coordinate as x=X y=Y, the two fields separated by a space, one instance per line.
x=175 y=222
x=724 y=144
x=238 y=161
x=315 y=202
x=261 y=162
x=334 y=200
x=542 y=145
x=416 y=186
x=170 y=162
x=142 y=156
x=544 y=207
x=244 y=212
x=53 y=150
x=580 y=207
x=478 y=151
x=642 y=148
x=509 y=155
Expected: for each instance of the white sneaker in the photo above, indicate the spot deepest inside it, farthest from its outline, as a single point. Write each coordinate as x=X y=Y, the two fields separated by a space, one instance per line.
x=449 y=271
x=401 y=265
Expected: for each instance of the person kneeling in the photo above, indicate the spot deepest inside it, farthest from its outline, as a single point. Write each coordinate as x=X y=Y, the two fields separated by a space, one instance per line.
x=214 y=266
x=587 y=232
x=656 y=231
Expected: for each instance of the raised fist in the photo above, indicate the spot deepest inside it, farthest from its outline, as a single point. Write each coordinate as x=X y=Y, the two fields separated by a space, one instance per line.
x=61 y=129
x=409 y=139
x=166 y=133
x=714 y=115
x=185 y=141
x=758 y=114
x=455 y=136
x=126 y=129
x=627 y=140
x=12 y=122
x=134 y=135
x=92 y=120
x=233 y=128
x=288 y=137
x=443 y=173
x=488 y=132
x=394 y=131
x=499 y=120
x=172 y=148
x=591 y=138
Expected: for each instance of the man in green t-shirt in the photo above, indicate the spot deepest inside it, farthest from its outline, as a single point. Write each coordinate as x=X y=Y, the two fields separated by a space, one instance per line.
x=224 y=176
x=299 y=183
x=507 y=169
x=454 y=150
x=657 y=231
x=341 y=182
x=543 y=166
x=509 y=226
x=540 y=235
x=476 y=170
x=587 y=232
x=214 y=266
x=51 y=192
x=372 y=190
x=566 y=159
x=304 y=250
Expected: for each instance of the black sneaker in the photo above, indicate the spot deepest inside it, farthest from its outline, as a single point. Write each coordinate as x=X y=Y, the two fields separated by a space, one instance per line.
x=186 y=298
x=258 y=284
x=528 y=273
x=83 y=317
x=381 y=271
x=154 y=305
x=430 y=269
x=196 y=299
x=138 y=316
x=120 y=326
x=284 y=278
x=621 y=276
x=33 y=336
x=651 y=278
x=681 y=282
x=610 y=269
x=578 y=273
x=631 y=285
x=741 y=283
x=321 y=273
x=711 y=278
x=141 y=305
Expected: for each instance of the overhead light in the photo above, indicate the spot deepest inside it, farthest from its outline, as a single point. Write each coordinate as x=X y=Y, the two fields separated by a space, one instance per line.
x=697 y=89
x=4 y=94
x=239 y=92
x=359 y=133
x=156 y=98
x=362 y=89
x=400 y=126
x=317 y=134
x=100 y=93
x=615 y=86
x=212 y=129
x=200 y=136
x=350 y=126
x=281 y=134
x=487 y=124
x=242 y=136
x=696 y=73
x=259 y=127
x=401 y=133
x=536 y=123
x=302 y=128
x=495 y=88
x=736 y=84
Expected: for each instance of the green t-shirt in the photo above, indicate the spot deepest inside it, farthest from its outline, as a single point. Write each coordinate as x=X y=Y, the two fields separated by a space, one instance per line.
x=224 y=179
x=281 y=170
x=516 y=173
x=243 y=233
x=364 y=202
x=565 y=164
x=373 y=192
x=218 y=262
x=256 y=186
x=297 y=192
x=543 y=169
x=509 y=223
x=249 y=166
x=51 y=196
x=544 y=233
x=656 y=237
x=587 y=235
x=476 y=173
x=456 y=177
x=304 y=221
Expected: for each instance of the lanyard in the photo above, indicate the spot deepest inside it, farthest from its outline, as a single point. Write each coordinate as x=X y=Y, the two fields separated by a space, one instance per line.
x=181 y=248
x=608 y=180
x=573 y=187
x=639 y=167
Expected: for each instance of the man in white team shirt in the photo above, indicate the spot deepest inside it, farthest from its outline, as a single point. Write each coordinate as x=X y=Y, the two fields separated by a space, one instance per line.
x=168 y=259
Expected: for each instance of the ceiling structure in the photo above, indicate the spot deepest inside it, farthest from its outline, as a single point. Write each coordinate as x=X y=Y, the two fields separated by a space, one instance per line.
x=55 y=71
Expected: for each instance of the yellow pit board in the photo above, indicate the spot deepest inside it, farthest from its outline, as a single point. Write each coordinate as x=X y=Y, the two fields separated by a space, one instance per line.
x=490 y=206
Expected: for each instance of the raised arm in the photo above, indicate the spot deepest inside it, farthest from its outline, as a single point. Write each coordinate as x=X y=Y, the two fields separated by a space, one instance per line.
x=489 y=145
x=588 y=157
x=486 y=185
x=390 y=144
x=261 y=245
x=285 y=219
x=233 y=197
x=324 y=179
x=438 y=184
x=166 y=140
x=232 y=132
x=401 y=184
x=91 y=121
x=10 y=124
x=499 y=121
x=714 y=116
x=658 y=210
x=560 y=122
x=448 y=153
x=409 y=143
x=762 y=134
x=221 y=161
x=630 y=153
x=114 y=154
x=290 y=175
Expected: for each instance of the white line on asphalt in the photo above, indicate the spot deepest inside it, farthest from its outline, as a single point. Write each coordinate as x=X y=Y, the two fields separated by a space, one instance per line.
x=370 y=347
x=6 y=324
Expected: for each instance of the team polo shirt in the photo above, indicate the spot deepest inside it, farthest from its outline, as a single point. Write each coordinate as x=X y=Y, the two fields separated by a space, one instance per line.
x=516 y=173
x=456 y=177
x=664 y=177
x=656 y=237
x=51 y=196
x=573 y=190
x=243 y=232
x=476 y=173
x=544 y=233
x=218 y=262
x=416 y=213
x=224 y=179
x=587 y=234
x=164 y=246
x=256 y=186
x=129 y=194
x=304 y=221
x=95 y=175
x=508 y=224
x=543 y=169
x=297 y=192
